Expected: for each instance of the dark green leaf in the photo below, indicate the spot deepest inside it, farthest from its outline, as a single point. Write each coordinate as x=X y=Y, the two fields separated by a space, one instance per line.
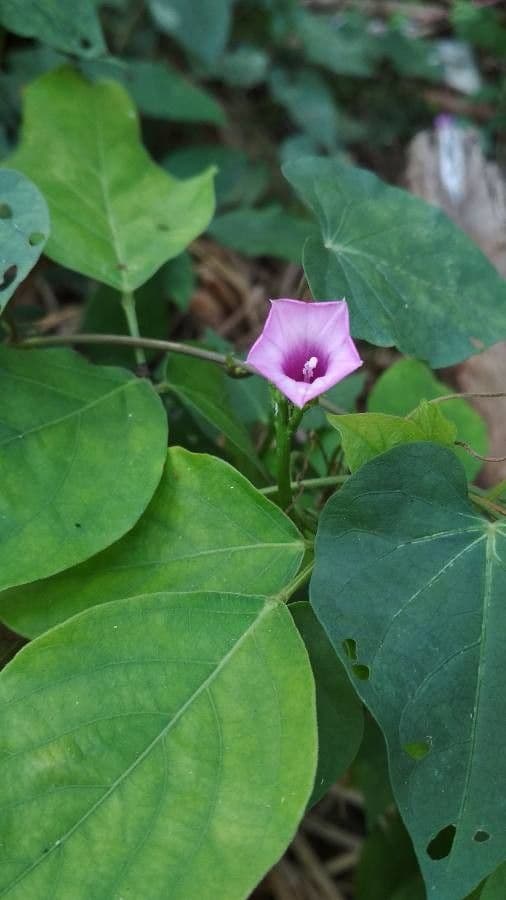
x=201 y=26
x=309 y=101
x=409 y=571
x=370 y=772
x=171 y=736
x=206 y=525
x=263 y=232
x=160 y=91
x=387 y=860
x=82 y=451
x=410 y=276
x=339 y=711
x=201 y=387
x=336 y=45
x=238 y=181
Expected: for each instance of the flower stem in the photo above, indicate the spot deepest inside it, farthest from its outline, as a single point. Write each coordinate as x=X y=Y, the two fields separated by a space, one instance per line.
x=128 y=304
x=287 y=421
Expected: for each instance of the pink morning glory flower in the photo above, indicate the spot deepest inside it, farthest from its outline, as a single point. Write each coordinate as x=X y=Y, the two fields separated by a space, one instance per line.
x=305 y=348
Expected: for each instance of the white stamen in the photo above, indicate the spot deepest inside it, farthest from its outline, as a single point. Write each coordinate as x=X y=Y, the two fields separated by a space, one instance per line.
x=308 y=369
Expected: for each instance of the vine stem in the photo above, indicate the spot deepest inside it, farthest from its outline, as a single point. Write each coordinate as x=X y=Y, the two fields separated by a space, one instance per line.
x=128 y=304
x=234 y=365
x=324 y=481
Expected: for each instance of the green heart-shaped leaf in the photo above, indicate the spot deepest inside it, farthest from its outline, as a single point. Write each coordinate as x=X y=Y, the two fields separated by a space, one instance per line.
x=413 y=579
x=206 y=525
x=169 y=738
x=410 y=276
x=81 y=453
x=116 y=216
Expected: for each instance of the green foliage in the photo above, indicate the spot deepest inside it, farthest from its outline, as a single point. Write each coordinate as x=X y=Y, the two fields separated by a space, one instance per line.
x=387 y=861
x=263 y=232
x=116 y=216
x=238 y=181
x=407 y=570
x=495 y=886
x=337 y=46
x=201 y=26
x=365 y=435
x=339 y=711
x=158 y=90
x=201 y=388
x=169 y=686
x=72 y=26
x=24 y=229
x=68 y=432
x=405 y=384
x=206 y=524
x=410 y=276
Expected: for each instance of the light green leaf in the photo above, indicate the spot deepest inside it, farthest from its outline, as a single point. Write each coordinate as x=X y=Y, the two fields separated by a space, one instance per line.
x=409 y=381
x=410 y=276
x=365 y=435
x=172 y=737
x=24 y=229
x=263 y=232
x=158 y=90
x=81 y=453
x=116 y=216
x=407 y=571
x=339 y=711
x=206 y=525
x=201 y=388
x=201 y=26
x=495 y=886
x=72 y=26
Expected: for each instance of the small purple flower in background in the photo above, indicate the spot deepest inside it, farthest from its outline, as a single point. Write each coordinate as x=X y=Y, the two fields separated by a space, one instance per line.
x=305 y=348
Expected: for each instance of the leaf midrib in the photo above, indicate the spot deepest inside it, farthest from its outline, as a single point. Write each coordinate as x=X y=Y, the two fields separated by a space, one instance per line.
x=269 y=606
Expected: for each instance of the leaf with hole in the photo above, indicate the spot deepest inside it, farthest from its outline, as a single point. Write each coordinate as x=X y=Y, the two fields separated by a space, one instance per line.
x=24 y=229
x=116 y=215
x=408 y=570
x=411 y=277
x=171 y=736
x=72 y=26
x=206 y=525
x=81 y=452
x=339 y=710
x=405 y=384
